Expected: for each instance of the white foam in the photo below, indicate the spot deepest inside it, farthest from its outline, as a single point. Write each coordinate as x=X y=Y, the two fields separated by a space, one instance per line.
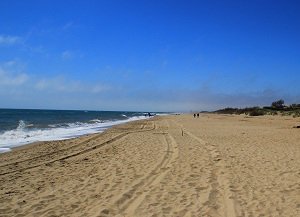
x=96 y=121
x=21 y=125
x=2 y=150
x=22 y=136
x=162 y=114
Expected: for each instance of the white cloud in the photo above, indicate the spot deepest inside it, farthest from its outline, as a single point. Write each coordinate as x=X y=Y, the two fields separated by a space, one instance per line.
x=12 y=79
x=41 y=84
x=9 y=40
x=63 y=85
x=18 y=89
x=58 y=84
x=98 y=88
x=10 y=63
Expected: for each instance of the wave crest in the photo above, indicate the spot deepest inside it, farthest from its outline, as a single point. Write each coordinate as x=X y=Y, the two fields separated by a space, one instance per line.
x=24 y=135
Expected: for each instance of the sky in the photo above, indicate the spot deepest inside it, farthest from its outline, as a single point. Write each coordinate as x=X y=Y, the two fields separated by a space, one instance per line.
x=159 y=55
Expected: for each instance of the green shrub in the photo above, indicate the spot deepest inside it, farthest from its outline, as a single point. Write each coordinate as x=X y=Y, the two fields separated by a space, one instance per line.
x=256 y=113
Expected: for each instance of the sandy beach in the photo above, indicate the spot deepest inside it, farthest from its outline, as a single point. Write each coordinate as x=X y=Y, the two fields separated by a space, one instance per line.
x=177 y=165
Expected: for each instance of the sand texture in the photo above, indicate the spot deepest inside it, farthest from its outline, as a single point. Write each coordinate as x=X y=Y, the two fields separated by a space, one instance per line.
x=215 y=165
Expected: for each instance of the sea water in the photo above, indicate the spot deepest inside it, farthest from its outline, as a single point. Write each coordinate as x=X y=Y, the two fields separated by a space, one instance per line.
x=23 y=126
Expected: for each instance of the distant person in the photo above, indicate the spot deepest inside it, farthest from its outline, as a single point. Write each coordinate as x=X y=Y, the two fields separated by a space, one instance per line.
x=149 y=114
x=197 y=115
x=194 y=115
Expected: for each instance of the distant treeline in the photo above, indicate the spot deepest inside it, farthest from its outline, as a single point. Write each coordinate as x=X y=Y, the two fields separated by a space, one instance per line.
x=276 y=108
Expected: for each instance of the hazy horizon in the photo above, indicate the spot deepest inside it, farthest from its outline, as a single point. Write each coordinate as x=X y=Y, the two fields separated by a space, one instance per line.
x=163 y=56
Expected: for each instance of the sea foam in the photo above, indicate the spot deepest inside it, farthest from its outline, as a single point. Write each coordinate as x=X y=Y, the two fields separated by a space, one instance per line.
x=25 y=134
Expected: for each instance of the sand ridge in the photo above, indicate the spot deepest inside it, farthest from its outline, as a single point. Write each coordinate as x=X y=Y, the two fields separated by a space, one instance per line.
x=215 y=165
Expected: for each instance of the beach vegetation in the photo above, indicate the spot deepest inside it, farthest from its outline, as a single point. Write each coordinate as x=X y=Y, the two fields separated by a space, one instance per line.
x=277 y=108
x=279 y=104
x=257 y=112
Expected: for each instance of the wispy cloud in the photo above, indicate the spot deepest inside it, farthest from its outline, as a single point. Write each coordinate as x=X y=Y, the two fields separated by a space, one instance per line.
x=63 y=85
x=12 y=79
x=19 y=88
x=9 y=40
x=68 y=26
x=10 y=63
x=12 y=75
x=58 y=84
x=70 y=55
x=201 y=99
x=67 y=55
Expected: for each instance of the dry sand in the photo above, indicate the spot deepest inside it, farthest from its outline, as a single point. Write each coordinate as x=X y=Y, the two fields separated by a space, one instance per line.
x=215 y=165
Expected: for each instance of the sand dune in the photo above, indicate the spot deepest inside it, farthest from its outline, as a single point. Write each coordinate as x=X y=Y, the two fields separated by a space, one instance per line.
x=215 y=165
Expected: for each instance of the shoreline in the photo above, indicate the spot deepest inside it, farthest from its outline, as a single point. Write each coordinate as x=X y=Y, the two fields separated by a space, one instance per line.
x=95 y=130
x=30 y=147
x=214 y=165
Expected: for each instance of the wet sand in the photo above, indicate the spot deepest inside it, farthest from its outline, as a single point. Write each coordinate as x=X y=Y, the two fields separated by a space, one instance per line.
x=215 y=165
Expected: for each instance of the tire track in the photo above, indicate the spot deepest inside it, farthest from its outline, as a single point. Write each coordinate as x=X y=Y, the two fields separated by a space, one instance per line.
x=78 y=153
x=98 y=135
x=219 y=181
x=54 y=152
x=172 y=155
x=128 y=202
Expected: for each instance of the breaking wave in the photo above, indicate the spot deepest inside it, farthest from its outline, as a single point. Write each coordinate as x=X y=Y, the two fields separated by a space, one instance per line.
x=26 y=133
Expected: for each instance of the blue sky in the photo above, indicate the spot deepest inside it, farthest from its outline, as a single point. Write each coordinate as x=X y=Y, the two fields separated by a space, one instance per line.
x=148 y=55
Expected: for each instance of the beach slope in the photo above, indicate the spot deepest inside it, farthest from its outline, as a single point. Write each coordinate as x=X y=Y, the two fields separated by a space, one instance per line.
x=215 y=165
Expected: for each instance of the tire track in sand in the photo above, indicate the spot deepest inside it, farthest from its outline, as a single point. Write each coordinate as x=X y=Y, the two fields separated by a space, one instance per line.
x=62 y=150
x=74 y=154
x=129 y=201
x=219 y=183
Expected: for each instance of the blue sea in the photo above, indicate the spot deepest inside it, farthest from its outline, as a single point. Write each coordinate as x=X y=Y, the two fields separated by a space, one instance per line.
x=23 y=126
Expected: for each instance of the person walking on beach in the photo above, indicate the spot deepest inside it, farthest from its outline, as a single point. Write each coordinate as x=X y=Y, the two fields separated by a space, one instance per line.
x=194 y=115
x=197 y=115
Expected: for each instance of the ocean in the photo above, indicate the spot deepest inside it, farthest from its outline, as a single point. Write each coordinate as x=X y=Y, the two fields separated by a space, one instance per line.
x=24 y=126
